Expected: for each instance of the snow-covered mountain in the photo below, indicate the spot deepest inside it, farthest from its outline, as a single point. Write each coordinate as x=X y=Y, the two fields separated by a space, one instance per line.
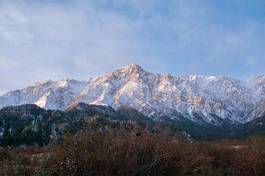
x=206 y=99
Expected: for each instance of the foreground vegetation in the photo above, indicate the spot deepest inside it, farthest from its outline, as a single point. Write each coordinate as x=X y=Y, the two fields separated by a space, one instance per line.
x=96 y=140
x=136 y=152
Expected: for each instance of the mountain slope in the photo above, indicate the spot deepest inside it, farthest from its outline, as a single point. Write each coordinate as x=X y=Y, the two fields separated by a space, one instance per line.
x=201 y=99
x=50 y=95
x=29 y=124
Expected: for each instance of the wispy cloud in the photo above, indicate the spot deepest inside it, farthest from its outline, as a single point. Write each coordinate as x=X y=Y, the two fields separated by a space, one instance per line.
x=41 y=40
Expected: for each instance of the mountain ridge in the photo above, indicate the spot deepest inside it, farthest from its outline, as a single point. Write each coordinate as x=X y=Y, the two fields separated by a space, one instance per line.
x=155 y=95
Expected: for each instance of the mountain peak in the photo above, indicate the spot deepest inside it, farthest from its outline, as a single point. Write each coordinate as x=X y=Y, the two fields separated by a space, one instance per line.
x=132 y=68
x=131 y=71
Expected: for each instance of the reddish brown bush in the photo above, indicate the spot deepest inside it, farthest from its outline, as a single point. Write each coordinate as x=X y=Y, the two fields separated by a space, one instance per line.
x=120 y=152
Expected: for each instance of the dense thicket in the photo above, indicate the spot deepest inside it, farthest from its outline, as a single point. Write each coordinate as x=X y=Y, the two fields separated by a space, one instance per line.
x=136 y=152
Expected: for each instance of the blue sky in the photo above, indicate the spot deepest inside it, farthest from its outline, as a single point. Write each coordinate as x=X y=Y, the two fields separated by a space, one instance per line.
x=55 y=39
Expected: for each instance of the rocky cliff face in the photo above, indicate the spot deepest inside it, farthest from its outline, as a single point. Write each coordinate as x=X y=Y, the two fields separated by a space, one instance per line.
x=204 y=99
